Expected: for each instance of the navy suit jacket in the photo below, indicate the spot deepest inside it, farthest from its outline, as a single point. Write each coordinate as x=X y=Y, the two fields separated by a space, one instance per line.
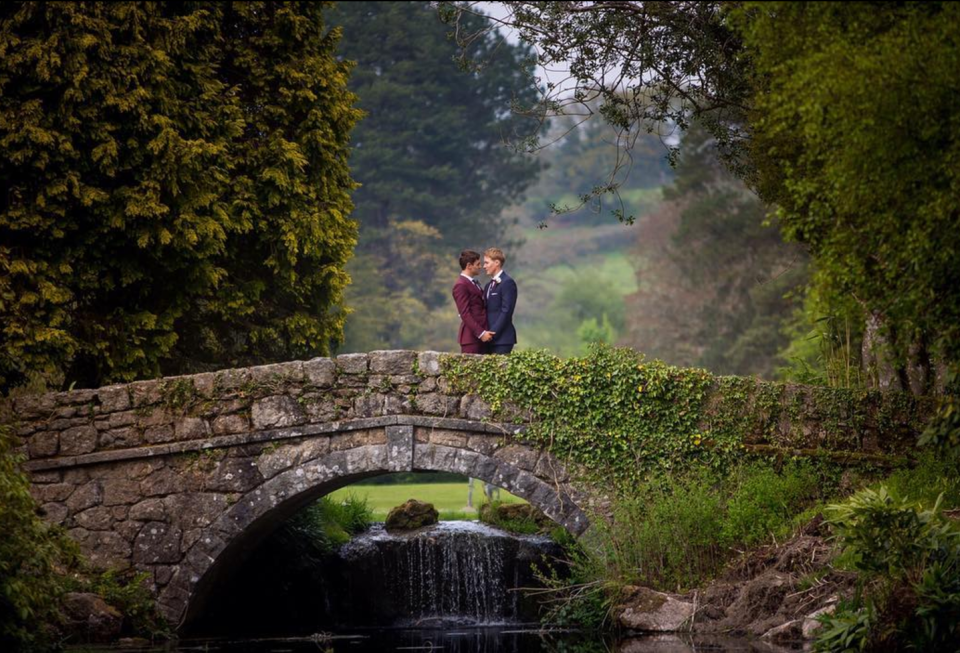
x=501 y=302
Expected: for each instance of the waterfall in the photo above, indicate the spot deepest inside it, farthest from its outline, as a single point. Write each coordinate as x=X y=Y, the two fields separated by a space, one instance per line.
x=461 y=573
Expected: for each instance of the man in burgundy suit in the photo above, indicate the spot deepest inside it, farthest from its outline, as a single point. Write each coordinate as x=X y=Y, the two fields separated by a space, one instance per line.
x=469 y=298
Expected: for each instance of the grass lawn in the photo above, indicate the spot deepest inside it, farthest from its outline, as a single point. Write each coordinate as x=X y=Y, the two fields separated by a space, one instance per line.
x=449 y=498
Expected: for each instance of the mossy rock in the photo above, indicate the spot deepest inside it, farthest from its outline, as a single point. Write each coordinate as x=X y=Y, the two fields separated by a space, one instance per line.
x=411 y=515
x=516 y=517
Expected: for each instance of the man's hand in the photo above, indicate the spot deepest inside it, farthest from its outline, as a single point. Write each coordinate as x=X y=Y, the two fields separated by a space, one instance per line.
x=487 y=336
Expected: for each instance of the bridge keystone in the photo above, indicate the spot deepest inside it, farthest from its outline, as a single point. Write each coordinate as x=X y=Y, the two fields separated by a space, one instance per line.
x=400 y=448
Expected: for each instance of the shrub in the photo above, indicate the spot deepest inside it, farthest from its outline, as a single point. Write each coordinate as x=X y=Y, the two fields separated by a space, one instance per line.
x=31 y=553
x=326 y=525
x=908 y=556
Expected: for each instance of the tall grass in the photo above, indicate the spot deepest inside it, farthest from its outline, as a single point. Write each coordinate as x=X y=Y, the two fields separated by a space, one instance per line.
x=676 y=533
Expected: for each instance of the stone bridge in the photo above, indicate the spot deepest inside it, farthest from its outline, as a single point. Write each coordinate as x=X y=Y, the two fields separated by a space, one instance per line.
x=181 y=477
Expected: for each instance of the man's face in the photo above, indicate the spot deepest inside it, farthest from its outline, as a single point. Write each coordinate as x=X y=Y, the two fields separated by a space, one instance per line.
x=473 y=269
x=491 y=265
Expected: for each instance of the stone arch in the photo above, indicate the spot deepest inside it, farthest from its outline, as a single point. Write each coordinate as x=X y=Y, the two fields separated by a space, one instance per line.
x=316 y=473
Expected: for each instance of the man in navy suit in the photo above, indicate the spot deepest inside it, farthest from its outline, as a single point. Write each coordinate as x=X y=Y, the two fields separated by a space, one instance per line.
x=501 y=297
x=473 y=336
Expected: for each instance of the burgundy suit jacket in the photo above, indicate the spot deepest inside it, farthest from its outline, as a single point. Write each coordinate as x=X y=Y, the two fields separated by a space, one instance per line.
x=473 y=312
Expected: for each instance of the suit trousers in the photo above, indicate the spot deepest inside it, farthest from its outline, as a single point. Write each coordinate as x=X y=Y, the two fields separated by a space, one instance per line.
x=474 y=348
x=500 y=349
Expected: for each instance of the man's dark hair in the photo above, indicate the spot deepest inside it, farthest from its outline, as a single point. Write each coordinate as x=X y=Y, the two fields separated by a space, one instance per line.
x=467 y=257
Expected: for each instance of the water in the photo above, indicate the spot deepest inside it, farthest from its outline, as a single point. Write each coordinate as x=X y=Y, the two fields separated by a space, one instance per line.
x=453 y=587
x=453 y=574
x=466 y=640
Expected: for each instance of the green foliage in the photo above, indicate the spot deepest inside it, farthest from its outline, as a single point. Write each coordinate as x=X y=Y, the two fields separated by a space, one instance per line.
x=846 y=102
x=326 y=525
x=176 y=188
x=943 y=432
x=716 y=280
x=764 y=501
x=826 y=338
x=590 y=331
x=677 y=531
x=130 y=593
x=33 y=556
x=609 y=411
x=908 y=556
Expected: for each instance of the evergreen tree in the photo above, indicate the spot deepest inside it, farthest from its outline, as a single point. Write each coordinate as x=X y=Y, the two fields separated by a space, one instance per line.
x=433 y=144
x=175 y=189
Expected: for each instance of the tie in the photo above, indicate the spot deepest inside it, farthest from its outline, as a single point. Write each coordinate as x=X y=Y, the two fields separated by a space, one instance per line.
x=477 y=284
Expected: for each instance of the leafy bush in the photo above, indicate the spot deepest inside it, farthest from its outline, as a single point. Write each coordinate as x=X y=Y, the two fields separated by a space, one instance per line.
x=31 y=554
x=327 y=524
x=908 y=556
x=677 y=532
x=763 y=502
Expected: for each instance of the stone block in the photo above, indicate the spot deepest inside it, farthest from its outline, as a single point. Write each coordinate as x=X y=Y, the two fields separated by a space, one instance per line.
x=448 y=438
x=159 y=434
x=370 y=405
x=120 y=492
x=400 y=448
x=233 y=475
x=51 y=476
x=277 y=412
x=205 y=384
x=34 y=406
x=121 y=438
x=43 y=444
x=145 y=393
x=74 y=397
x=193 y=510
x=148 y=510
x=78 y=440
x=114 y=398
x=474 y=408
x=394 y=362
x=485 y=444
x=128 y=529
x=320 y=372
x=437 y=404
x=117 y=420
x=85 y=496
x=227 y=424
x=157 y=543
x=161 y=482
x=191 y=428
x=549 y=467
x=319 y=407
x=352 y=363
x=428 y=363
x=273 y=377
x=56 y=513
x=519 y=456
x=97 y=518
x=54 y=492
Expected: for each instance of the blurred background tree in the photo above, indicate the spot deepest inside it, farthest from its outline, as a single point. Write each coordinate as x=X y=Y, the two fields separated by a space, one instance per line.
x=433 y=165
